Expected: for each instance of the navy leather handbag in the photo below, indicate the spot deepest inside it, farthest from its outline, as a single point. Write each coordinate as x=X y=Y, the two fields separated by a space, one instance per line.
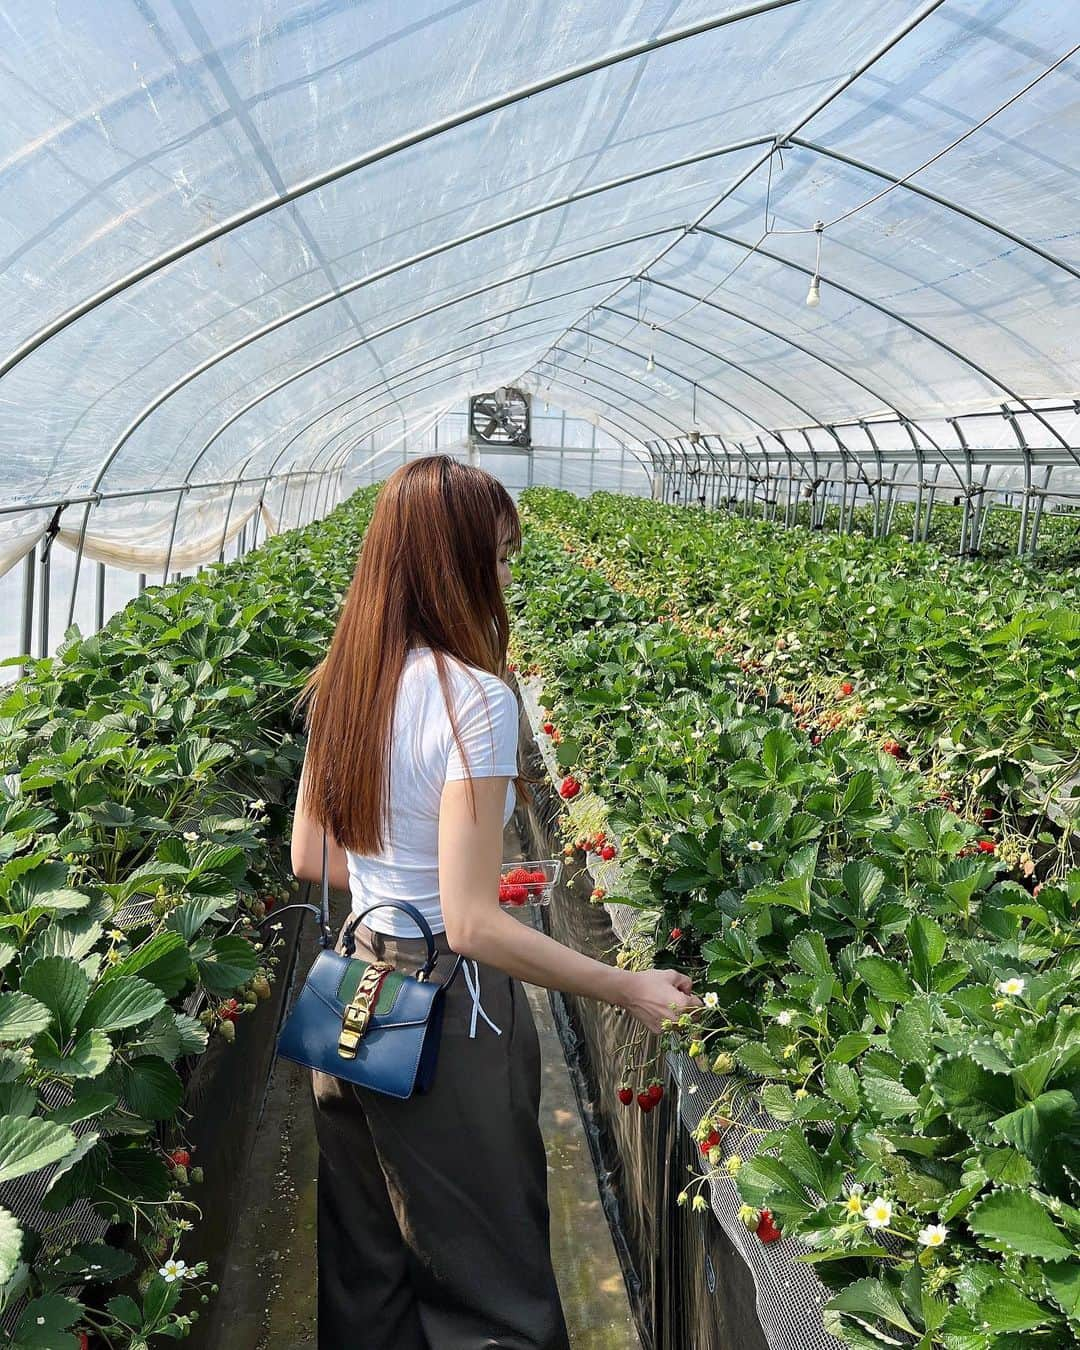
x=364 y=1021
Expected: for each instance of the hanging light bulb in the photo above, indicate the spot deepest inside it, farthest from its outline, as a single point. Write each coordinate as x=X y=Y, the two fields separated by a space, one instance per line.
x=650 y=364
x=813 y=295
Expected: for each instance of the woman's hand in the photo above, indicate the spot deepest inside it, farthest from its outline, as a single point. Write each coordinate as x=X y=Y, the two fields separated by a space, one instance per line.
x=655 y=995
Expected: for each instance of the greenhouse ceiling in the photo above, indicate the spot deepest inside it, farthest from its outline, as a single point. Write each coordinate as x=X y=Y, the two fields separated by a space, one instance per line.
x=242 y=240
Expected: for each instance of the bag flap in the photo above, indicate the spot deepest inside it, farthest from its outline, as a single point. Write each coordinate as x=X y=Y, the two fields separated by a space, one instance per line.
x=403 y=1000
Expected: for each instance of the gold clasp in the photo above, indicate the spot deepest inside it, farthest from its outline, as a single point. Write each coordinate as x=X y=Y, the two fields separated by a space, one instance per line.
x=358 y=1011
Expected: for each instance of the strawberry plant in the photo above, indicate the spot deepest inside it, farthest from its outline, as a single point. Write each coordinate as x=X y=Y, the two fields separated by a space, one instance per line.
x=151 y=772
x=877 y=972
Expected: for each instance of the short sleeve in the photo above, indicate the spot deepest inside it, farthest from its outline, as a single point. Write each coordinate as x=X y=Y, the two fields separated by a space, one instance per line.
x=487 y=717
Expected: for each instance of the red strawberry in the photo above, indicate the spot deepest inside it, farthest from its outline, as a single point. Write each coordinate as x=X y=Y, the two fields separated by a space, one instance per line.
x=655 y=1091
x=767 y=1231
x=504 y=895
x=847 y=688
x=607 y=852
x=268 y=903
x=626 y=1095
x=517 y=895
x=516 y=876
x=987 y=846
x=549 y=727
x=710 y=1141
x=180 y=1156
x=645 y=1102
x=601 y=837
x=989 y=813
x=84 y=1341
x=569 y=787
x=676 y=934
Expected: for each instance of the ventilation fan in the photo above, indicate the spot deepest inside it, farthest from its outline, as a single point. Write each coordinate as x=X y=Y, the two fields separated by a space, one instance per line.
x=500 y=418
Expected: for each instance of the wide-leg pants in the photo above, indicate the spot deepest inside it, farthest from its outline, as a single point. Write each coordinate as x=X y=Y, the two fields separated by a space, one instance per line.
x=433 y=1223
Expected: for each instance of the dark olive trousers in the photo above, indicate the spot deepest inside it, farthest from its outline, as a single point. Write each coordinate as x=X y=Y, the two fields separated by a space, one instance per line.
x=433 y=1221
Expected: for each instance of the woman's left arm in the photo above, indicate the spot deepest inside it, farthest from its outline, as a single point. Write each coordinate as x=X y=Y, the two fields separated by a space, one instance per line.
x=306 y=848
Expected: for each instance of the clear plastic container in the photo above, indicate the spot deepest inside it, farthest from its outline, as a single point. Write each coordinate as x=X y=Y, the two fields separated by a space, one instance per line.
x=528 y=883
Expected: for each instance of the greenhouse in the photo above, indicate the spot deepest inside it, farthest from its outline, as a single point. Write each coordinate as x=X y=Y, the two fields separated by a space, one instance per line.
x=766 y=317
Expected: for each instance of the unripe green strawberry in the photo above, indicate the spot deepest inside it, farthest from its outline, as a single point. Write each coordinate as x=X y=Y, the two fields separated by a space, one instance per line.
x=261 y=985
x=196 y=1174
x=228 y=1031
x=180 y=1172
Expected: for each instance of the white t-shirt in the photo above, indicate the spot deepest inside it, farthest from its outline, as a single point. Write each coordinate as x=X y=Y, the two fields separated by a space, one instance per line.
x=423 y=756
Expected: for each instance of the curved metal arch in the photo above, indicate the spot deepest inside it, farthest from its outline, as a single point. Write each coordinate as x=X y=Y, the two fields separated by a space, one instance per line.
x=807 y=351
x=609 y=403
x=700 y=384
x=435 y=129
x=639 y=402
x=938 y=199
x=459 y=241
x=225 y=352
x=716 y=356
x=944 y=346
x=548 y=384
x=440 y=359
x=382 y=332
x=840 y=86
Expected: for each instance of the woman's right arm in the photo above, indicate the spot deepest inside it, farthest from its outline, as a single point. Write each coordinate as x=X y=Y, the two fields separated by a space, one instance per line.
x=470 y=858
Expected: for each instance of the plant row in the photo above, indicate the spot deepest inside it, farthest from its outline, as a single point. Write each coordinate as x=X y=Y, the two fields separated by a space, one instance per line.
x=150 y=776
x=968 y=667
x=876 y=976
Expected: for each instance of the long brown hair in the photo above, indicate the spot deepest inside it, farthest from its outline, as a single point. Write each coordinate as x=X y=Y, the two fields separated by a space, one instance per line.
x=426 y=573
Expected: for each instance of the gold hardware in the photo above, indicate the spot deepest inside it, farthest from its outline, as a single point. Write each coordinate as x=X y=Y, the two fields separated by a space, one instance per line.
x=358 y=1012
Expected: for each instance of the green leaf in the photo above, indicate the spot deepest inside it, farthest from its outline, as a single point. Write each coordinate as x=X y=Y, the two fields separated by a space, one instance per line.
x=88 y=1057
x=164 y=961
x=94 y=1262
x=872 y=1298
x=756 y=1059
x=794 y=892
x=882 y=1088
x=123 y=1002
x=61 y=984
x=1063 y=1283
x=44 y=1323
x=88 y=1102
x=909 y=1035
x=29 y=1143
x=10 y=1245
x=232 y=961
x=1034 y=1128
x=863 y=882
x=886 y=979
x=1014 y=1221
x=842 y=1085
x=972 y=1096
x=809 y=952
x=1003 y=1308
x=22 y=1017
x=927 y=942
x=188 y=918
x=849 y=1047
x=152 y=1088
x=87 y=1142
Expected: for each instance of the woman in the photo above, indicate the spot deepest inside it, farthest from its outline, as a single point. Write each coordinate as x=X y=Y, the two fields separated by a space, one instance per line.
x=433 y=1221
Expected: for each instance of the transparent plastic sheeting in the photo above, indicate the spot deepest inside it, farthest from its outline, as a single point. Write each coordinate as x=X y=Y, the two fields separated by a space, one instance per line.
x=789 y=1295
x=233 y=235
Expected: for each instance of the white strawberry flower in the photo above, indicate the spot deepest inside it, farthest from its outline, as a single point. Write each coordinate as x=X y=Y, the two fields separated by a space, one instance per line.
x=784 y=1018
x=711 y=999
x=878 y=1213
x=191 y=835
x=755 y=846
x=173 y=1269
x=933 y=1235
x=1013 y=987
